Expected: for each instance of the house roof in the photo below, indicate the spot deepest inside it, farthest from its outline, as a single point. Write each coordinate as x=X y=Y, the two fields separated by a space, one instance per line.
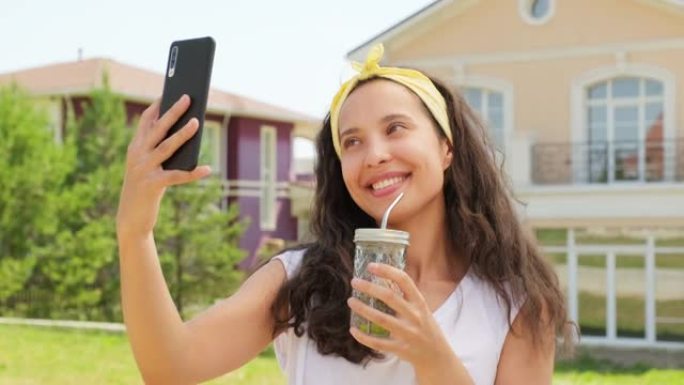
x=79 y=77
x=418 y=16
x=444 y=8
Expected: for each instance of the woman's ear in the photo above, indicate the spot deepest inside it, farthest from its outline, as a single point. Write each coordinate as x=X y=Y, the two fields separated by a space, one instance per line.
x=448 y=154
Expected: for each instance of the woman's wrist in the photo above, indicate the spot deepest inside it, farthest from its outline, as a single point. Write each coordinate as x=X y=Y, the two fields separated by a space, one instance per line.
x=131 y=236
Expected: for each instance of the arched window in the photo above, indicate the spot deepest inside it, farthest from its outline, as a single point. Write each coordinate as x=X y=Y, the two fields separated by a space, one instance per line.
x=624 y=129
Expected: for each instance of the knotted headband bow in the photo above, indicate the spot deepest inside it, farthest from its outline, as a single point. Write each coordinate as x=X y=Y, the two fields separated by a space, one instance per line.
x=414 y=80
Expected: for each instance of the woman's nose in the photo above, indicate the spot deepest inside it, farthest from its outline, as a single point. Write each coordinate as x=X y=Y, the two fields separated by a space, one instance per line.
x=377 y=154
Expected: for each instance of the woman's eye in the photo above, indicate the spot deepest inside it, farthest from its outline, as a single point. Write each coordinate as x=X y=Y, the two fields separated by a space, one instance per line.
x=394 y=127
x=350 y=142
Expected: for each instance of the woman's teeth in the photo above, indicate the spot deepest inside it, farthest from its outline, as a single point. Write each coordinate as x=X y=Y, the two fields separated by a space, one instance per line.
x=387 y=182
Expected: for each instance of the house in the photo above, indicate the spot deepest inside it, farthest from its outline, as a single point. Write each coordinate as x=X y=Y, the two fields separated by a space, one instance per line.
x=584 y=100
x=249 y=143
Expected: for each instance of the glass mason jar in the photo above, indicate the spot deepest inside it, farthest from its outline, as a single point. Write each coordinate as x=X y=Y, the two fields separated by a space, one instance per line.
x=380 y=246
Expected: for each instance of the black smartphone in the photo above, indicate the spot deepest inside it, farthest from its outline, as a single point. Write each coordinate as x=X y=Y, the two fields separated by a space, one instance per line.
x=188 y=72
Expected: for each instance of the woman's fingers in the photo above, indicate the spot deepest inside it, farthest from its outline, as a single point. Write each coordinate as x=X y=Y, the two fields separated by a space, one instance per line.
x=176 y=177
x=396 y=327
x=379 y=344
x=166 y=148
x=390 y=297
x=405 y=283
x=148 y=117
x=139 y=138
x=162 y=125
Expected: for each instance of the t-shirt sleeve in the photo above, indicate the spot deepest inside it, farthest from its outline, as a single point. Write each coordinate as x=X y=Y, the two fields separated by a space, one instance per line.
x=291 y=260
x=285 y=345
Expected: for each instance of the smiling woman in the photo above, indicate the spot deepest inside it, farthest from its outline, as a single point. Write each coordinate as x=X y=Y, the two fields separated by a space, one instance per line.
x=479 y=304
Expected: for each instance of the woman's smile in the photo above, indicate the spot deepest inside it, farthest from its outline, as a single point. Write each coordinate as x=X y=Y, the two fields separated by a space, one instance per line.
x=388 y=184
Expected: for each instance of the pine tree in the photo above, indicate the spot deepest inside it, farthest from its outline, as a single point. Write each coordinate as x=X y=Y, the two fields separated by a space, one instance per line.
x=197 y=244
x=32 y=169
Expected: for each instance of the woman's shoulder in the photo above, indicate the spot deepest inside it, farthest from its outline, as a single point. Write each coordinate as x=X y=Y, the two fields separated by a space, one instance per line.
x=492 y=299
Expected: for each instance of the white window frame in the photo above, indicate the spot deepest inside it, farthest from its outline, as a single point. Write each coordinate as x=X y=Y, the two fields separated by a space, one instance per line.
x=52 y=107
x=496 y=85
x=611 y=103
x=496 y=135
x=212 y=131
x=579 y=103
x=526 y=15
x=268 y=144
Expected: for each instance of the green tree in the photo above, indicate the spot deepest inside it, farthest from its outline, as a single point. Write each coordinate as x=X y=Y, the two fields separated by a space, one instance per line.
x=79 y=277
x=58 y=202
x=32 y=169
x=197 y=243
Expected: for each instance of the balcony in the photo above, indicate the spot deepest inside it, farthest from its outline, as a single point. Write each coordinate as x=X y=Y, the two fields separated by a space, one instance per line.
x=614 y=162
x=618 y=183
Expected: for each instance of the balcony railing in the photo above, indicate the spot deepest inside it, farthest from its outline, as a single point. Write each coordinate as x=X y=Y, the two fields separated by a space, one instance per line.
x=608 y=162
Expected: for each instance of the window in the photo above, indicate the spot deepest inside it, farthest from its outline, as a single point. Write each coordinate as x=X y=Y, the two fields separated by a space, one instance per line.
x=210 y=150
x=52 y=107
x=536 y=11
x=625 y=130
x=267 y=204
x=539 y=8
x=489 y=104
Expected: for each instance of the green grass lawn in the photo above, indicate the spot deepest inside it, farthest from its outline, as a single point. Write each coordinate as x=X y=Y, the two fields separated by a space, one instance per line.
x=30 y=355
x=33 y=356
x=664 y=261
x=558 y=237
x=586 y=370
x=630 y=317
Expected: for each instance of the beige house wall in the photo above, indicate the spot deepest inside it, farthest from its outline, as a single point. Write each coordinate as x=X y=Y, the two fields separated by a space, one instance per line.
x=491 y=26
x=481 y=39
x=541 y=88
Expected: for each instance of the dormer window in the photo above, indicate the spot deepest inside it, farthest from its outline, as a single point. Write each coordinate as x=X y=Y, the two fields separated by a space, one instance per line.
x=536 y=12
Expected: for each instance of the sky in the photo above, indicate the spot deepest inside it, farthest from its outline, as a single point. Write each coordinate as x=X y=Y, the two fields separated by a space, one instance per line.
x=288 y=53
x=291 y=53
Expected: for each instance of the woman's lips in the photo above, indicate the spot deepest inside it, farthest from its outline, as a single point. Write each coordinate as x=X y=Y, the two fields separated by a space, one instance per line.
x=395 y=184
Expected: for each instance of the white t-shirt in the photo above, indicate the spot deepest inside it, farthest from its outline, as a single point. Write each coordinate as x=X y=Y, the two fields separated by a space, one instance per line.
x=473 y=318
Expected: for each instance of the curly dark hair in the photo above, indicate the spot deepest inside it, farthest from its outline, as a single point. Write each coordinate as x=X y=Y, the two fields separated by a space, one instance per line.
x=482 y=224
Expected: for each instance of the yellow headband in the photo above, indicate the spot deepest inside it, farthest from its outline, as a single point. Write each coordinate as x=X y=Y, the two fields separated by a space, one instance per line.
x=420 y=84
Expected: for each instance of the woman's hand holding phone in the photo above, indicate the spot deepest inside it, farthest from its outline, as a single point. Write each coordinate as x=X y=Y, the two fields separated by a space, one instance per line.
x=145 y=180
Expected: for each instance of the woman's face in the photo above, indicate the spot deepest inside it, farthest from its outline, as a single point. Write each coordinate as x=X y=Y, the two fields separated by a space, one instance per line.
x=389 y=145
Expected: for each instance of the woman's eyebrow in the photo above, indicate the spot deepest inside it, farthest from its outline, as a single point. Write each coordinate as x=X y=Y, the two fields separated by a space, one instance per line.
x=348 y=132
x=385 y=119
x=390 y=117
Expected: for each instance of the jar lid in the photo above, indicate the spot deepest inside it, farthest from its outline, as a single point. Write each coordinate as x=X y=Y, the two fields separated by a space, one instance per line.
x=381 y=235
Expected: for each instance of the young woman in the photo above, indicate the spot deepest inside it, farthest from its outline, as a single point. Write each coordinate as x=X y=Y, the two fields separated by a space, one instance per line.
x=479 y=305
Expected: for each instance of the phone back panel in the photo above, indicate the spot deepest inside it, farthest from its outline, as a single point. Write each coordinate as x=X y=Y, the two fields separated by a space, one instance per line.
x=191 y=75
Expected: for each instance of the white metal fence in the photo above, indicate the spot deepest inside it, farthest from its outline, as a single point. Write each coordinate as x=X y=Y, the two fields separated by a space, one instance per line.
x=672 y=281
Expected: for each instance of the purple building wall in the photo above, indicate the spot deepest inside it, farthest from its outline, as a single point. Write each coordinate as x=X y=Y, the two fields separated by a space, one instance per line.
x=244 y=135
